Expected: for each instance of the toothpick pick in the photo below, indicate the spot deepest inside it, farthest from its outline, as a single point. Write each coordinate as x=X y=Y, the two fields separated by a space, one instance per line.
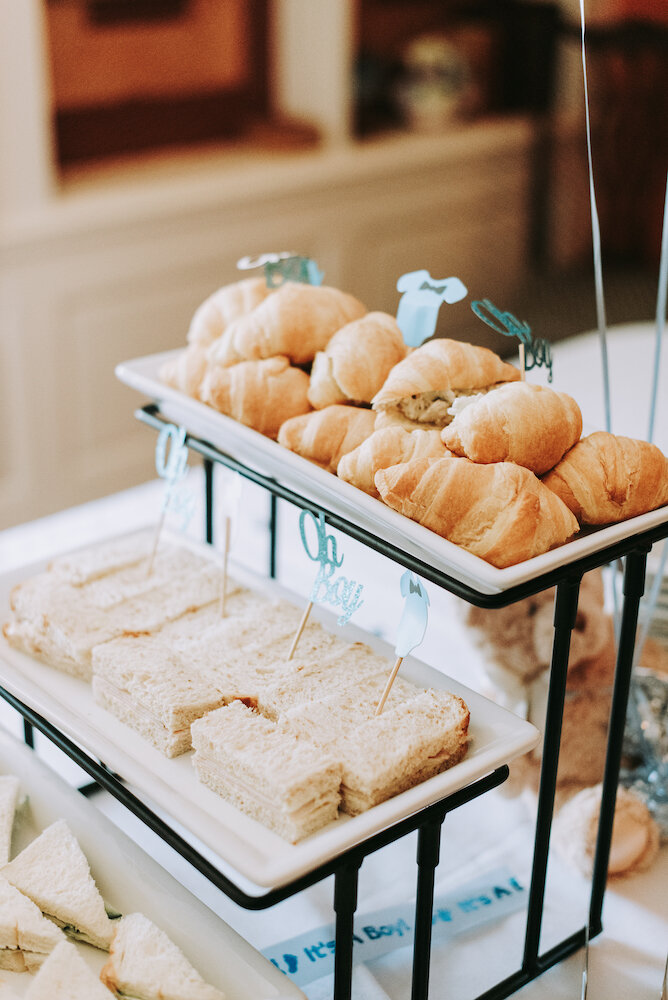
x=390 y=682
x=300 y=629
x=522 y=362
x=156 y=540
x=226 y=552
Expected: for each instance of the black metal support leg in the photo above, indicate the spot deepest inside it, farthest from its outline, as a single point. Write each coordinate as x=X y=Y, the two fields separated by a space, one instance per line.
x=634 y=586
x=208 y=495
x=345 y=904
x=28 y=734
x=273 y=534
x=565 y=611
x=428 y=853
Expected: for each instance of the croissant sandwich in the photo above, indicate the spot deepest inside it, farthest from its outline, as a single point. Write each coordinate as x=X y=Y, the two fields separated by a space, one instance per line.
x=386 y=447
x=297 y=320
x=527 y=424
x=606 y=478
x=325 y=436
x=216 y=313
x=260 y=394
x=185 y=370
x=500 y=512
x=356 y=361
x=422 y=390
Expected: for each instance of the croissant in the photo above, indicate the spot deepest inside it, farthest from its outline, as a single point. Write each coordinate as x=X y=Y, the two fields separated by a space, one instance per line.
x=528 y=424
x=296 y=320
x=424 y=386
x=386 y=447
x=185 y=370
x=325 y=436
x=356 y=361
x=214 y=315
x=500 y=512
x=605 y=478
x=260 y=394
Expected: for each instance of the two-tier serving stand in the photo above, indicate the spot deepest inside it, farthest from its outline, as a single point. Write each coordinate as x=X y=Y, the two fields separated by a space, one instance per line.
x=632 y=548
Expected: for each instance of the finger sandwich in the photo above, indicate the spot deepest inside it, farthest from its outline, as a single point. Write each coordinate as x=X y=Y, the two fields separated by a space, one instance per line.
x=415 y=737
x=273 y=775
x=26 y=935
x=60 y=622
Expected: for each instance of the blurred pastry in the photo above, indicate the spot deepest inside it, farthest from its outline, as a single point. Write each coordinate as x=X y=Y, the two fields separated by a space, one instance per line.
x=385 y=447
x=215 y=314
x=528 y=424
x=605 y=478
x=325 y=436
x=296 y=321
x=260 y=394
x=356 y=361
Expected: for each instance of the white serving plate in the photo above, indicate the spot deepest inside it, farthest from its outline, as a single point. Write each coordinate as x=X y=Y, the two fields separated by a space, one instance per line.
x=131 y=881
x=253 y=851
x=266 y=456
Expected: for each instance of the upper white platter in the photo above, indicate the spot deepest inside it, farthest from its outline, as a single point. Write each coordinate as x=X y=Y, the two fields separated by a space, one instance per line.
x=266 y=456
x=250 y=849
x=131 y=881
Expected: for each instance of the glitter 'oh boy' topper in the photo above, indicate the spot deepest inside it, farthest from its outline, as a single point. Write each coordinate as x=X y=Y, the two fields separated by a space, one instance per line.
x=171 y=463
x=284 y=266
x=536 y=351
x=340 y=591
x=422 y=297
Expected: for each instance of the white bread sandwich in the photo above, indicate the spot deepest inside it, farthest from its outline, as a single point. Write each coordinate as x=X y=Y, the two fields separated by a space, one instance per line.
x=282 y=781
x=145 y=964
x=148 y=686
x=347 y=666
x=66 y=976
x=26 y=936
x=9 y=797
x=413 y=739
x=60 y=623
x=54 y=873
x=92 y=562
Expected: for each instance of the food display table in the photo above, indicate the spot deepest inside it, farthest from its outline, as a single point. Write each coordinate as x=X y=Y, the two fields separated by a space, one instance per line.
x=290 y=487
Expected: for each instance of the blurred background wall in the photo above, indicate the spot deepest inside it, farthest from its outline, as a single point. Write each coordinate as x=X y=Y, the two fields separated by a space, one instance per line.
x=146 y=145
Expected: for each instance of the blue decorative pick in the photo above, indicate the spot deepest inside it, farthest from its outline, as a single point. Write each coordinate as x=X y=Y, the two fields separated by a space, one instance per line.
x=412 y=626
x=534 y=351
x=421 y=300
x=171 y=464
x=340 y=591
x=284 y=266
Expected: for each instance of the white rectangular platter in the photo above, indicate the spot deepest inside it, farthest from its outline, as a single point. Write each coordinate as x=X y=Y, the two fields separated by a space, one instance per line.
x=256 y=853
x=131 y=881
x=266 y=456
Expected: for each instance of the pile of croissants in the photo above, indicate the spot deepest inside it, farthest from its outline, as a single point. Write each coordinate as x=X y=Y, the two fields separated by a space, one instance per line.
x=447 y=434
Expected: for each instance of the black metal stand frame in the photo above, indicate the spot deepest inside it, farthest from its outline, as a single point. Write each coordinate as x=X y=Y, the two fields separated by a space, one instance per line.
x=429 y=821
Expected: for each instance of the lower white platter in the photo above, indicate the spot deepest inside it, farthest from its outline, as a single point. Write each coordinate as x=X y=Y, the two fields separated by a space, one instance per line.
x=253 y=851
x=266 y=456
x=131 y=881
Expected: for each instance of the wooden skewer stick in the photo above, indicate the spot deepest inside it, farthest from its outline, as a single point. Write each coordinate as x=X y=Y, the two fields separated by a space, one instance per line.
x=300 y=629
x=522 y=362
x=226 y=552
x=156 y=540
x=390 y=682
